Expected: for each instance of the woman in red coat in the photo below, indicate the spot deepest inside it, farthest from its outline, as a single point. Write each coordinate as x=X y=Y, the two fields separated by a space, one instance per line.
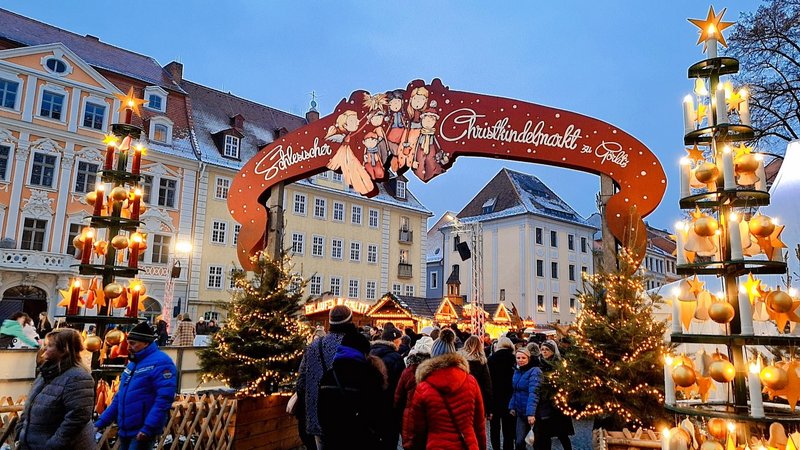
x=447 y=408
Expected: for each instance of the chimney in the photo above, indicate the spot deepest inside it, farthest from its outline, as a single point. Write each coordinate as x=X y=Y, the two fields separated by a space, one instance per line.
x=237 y=122
x=175 y=70
x=94 y=38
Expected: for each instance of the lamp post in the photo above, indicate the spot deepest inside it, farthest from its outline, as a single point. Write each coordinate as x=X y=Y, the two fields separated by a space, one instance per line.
x=182 y=247
x=475 y=229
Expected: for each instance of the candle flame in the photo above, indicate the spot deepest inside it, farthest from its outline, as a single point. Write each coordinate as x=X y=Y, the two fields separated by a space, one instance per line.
x=733 y=216
x=76 y=284
x=688 y=99
x=685 y=161
x=743 y=93
x=726 y=149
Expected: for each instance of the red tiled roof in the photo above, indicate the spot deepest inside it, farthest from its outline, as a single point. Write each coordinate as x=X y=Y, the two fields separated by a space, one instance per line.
x=25 y=31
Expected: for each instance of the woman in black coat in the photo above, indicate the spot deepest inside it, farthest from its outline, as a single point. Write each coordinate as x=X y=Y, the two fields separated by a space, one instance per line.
x=478 y=368
x=501 y=368
x=550 y=421
x=59 y=407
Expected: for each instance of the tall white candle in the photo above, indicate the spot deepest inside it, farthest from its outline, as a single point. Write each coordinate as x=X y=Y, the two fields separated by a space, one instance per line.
x=744 y=107
x=711 y=44
x=722 y=107
x=734 y=237
x=669 y=384
x=754 y=386
x=686 y=168
x=679 y=241
x=688 y=114
x=761 y=184
x=745 y=312
x=676 y=312
x=665 y=439
x=727 y=168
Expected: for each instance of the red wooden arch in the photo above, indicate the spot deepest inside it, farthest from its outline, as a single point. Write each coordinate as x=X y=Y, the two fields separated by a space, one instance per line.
x=424 y=128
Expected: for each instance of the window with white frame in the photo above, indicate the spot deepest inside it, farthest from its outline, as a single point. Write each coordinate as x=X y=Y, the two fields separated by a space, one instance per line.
x=146 y=183
x=583 y=245
x=300 y=204
x=555 y=304
x=72 y=232
x=434 y=282
x=374 y=217
x=320 y=208
x=52 y=105
x=540 y=303
x=161 y=244
x=232 y=278
x=324 y=175
x=372 y=253
x=236 y=229
x=154 y=102
x=86 y=177
x=355 y=251
x=231 y=146
x=94 y=115
x=315 y=285
x=410 y=290
x=538 y=235
x=9 y=93
x=166 y=192
x=298 y=239
x=553 y=238
x=355 y=215
x=335 y=176
x=371 y=290
x=43 y=170
x=56 y=65
x=397 y=289
x=401 y=189
x=160 y=130
x=572 y=307
x=156 y=98
x=353 y=288
x=215 y=277
x=336 y=248
x=404 y=256
x=318 y=246
x=223 y=186
x=336 y=286
x=571 y=242
x=539 y=267
x=338 y=212
x=33 y=234
x=554 y=270
x=5 y=155
x=219 y=232
x=572 y=272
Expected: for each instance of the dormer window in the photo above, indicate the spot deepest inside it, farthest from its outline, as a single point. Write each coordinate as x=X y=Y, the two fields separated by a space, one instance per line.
x=156 y=98
x=160 y=130
x=231 y=146
x=488 y=207
x=401 y=189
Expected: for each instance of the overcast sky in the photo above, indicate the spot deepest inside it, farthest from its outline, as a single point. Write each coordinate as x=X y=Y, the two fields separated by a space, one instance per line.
x=623 y=62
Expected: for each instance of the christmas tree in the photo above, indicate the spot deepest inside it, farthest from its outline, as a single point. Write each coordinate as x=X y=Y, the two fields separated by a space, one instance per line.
x=258 y=350
x=612 y=372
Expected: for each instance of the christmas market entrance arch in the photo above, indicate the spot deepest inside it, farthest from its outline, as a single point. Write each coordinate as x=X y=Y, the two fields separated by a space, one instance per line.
x=423 y=129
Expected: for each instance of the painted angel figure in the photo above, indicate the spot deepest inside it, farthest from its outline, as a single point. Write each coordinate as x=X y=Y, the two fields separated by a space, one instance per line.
x=375 y=117
x=353 y=172
x=429 y=156
x=397 y=126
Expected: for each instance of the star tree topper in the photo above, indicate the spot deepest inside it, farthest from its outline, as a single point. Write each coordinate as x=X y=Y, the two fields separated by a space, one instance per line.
x=712 y=26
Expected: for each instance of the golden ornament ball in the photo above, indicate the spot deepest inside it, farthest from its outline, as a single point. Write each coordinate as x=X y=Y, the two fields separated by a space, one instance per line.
x=119 y=242
x=706 y=226
x=717 y=428
x=721 y=312
x=91 y=197
x=711 y=445
x=119 y=194
x=77 y=242
x=114 y=337
x=746 y=163
x=774 y=377
x=706 y=172
x=93 y=343
x=779 y=301
x=721 y=371
x=761 y=226
x=113 y=290
x=717 y=356
x=682 y=360
x=684 y=376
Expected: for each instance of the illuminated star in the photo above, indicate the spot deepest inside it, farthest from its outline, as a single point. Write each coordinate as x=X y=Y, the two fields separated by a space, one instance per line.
x=130 y=101
x=734 y=100
x=696 y=214
x=782 y=318
x=712 y=26
x=751 y=286
x=695 y=285
x=110 y=139
x=742 y=150
x=701 y=112
x=772 y=242
x=695 y=154
x=704 y=386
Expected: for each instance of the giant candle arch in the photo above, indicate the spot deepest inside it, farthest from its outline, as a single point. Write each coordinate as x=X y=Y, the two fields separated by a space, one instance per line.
x=466 y=124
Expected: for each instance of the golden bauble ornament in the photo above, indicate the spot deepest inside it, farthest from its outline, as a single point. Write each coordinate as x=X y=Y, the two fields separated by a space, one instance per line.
x=683 y=376
x=779 y=301
x=721 y=371
x=706 y=226
x=761 y=226
x=91 y=197
x=93 y=343
x=706 y=172
x=717 y=356
x=774 y=377
x=77 y=242
x=114 y=337
x=721 y=312
x=717 y=428
x=746 y=163
x=119 y=242
x=711 y=445
x=119 y=194
x=113 y=290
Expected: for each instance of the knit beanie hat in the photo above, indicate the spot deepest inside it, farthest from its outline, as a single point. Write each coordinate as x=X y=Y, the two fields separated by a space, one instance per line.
x=427 y=330
x=340 y=314
x=357 y=341
x=390 y=334
x=444 y=344
x=524 y=351
x=552 y=346
x=142 y=332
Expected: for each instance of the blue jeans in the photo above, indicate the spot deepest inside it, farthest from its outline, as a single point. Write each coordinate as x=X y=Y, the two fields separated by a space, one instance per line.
x=522 y=430
x=133 y=444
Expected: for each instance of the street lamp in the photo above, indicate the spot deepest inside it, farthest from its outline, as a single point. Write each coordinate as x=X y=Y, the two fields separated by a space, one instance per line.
x=182 y=247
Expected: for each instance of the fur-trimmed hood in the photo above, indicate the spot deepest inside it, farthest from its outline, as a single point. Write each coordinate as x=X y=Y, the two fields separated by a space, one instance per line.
x=427 y=368
x=417 y=358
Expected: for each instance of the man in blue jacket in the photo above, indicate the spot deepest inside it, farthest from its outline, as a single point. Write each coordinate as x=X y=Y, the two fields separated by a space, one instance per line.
x=146 y=391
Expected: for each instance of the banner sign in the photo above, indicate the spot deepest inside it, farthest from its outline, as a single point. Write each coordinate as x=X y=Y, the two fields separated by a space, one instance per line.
x=424 y=128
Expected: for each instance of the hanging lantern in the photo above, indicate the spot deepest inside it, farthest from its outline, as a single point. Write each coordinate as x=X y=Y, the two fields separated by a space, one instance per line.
x=721 y=371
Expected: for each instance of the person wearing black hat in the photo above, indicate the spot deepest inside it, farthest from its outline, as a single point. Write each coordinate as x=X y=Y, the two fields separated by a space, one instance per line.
x=387 y=350
x=348 y=392
x=147 y=386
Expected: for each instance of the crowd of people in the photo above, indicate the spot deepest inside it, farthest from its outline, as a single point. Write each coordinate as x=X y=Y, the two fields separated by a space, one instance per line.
x=371 y=388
